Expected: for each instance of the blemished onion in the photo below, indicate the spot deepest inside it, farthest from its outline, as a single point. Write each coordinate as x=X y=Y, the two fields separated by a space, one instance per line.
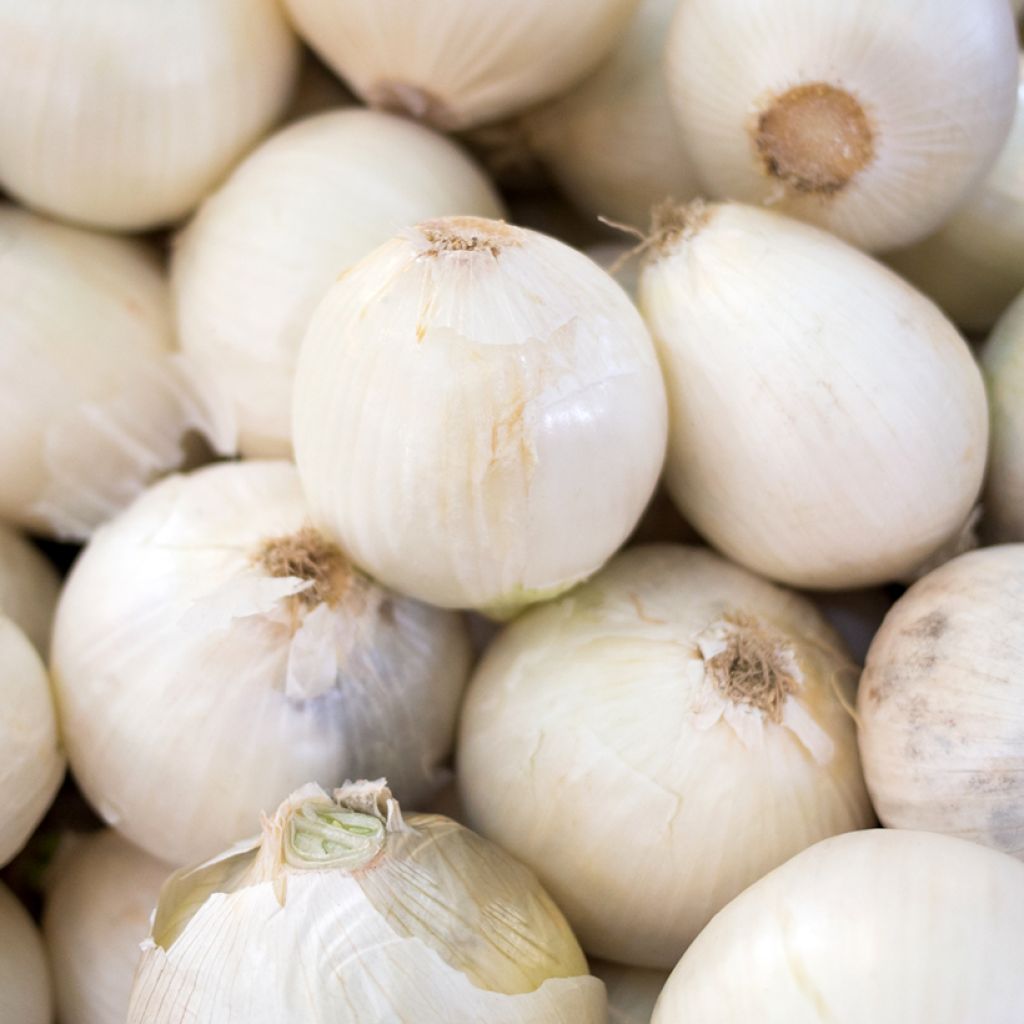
x=796 y=445
x=479 y=414
x=886 y=927
x=343 y=911
x=612 y=143
x=297 y=212
x=96 y=918
x=122 y=115
x=632 y=991
x=973 y=266
x=28 y=587
x=1002 y=360
x=31 y=761
x=871 y=118
x=25 y=996
x=941 y=703
x=96 y=402
x=211 y=648
x=457 y=63
x=673 y=690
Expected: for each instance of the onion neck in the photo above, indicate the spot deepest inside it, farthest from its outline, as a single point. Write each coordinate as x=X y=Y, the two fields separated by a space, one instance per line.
x=308 y=555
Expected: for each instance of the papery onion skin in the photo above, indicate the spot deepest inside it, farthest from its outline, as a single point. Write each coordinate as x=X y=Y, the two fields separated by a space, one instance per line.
x=788 y=382
x=298 y=212
x=479 y=415
x=912 y=101
x=455 y=64
x=941 y=703
x=96 y=401
x=97 y=915
x=101 y=128
x=31 y=761
x=886 y=927
x=28 y=587
x=196 y=683
x=25 y=996
x=606 y=698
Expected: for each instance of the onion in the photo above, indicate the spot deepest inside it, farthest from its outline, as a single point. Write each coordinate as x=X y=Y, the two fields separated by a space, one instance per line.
x=28 y=587
x=24 y=979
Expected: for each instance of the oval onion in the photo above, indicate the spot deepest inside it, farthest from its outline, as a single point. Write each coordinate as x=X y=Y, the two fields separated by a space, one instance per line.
x=941 y=703
x=123 y=115
x=797 y=445
x=211 y=649
x=479 y=414
x=675 y=710
x=28 y=587
x=872 y=119
x=300 y=210
x=880 y=927
x=24 y=978
x=383 y=919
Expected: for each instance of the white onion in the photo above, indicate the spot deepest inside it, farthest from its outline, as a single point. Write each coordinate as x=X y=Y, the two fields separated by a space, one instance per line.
x=24 y=979
x=28 y=587
x=211 y=650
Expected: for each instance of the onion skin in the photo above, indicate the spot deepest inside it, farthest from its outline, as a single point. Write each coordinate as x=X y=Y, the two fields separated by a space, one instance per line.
x=28 y=587
x=25 y=996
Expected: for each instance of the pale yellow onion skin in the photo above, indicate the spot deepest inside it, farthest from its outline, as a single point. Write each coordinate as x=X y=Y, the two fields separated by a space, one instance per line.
x=796 y=445
x=941 y=703
x=935 y=78
x=478 y=430
x=25 y=996
x=31 y=761
x=612 y=143
x=875 y=927
x=96 y=403
x=295 y=214
x=123 y=116
x=632 y=991
x=195 y=695
x=28 y=587
x=583 y=751
x=973 y=266
x=456 y=63
x=97 y=915
x=1002 y=361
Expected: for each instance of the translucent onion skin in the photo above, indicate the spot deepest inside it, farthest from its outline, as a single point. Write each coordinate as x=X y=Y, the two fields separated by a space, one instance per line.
x=31 y=761
x=96 y=402
x=28 y=587
x=626 y=719
x=457 y=63
x=479 y=414
x=25 y=996
x=295 y=214
x=97 y=916
x=100 y=127
x=931 y=87
x=788 y=381
x=941 y=703
x=886 y=927
x=632 y=991
x=198 y=681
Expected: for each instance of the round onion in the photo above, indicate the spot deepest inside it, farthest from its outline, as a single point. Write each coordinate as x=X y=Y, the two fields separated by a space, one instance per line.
x=24 y=977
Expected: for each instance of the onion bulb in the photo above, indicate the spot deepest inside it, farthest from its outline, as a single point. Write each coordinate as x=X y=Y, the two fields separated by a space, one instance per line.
x=828 y=424
x=31 y=761
x=479 y=414
x=612 y=143
x=123 y=115
x=301 y=209
x=632 y=991
x=211 y=648
x=459 y=63
x=941 y=703
x=673 y=690
x=872 y=119
x=881 y=927
x=343 y=911
x=97 y=915
x=24 y=977
x=96 y=402
x=28 y=587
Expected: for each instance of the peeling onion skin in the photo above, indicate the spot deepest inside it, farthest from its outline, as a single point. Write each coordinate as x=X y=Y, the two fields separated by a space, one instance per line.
x=191 y=648
x=612 y=697
x=25 y=996
x=873 y=927
x=941 y=703
x=28 y=587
